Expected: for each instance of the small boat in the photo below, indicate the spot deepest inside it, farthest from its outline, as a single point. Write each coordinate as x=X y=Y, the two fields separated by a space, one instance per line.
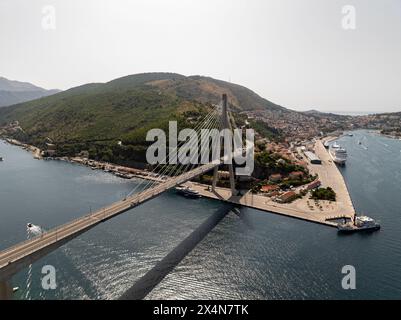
x=34 y=230
x=361 y=223
x=1 y=159
x=187 y=192
x=336 y=145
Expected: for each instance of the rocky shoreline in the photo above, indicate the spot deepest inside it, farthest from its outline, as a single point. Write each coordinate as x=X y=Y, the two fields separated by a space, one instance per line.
x=118 y=170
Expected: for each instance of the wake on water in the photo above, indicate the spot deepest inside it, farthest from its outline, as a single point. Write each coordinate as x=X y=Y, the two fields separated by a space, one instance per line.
x=31 y=231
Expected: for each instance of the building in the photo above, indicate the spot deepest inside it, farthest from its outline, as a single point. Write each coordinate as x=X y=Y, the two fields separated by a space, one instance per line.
x=313 y=158
x=281 y=161
x=313 y=185
x=287 y=197
x=50 y=150
x=223 y=175
x=269 y=188
x=275 y=177
x=296 y=175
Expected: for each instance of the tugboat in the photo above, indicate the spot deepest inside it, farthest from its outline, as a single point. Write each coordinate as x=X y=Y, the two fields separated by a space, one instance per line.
x=187 y=192
x=361 y=223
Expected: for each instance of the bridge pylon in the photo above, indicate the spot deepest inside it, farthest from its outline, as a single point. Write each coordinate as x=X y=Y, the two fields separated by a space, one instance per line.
x=225 y=125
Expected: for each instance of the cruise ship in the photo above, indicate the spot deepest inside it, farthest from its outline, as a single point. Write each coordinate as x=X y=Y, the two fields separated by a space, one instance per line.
x=338 y=154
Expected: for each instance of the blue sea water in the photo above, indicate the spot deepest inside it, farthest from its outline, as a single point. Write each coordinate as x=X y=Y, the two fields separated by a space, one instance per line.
x=257 y=256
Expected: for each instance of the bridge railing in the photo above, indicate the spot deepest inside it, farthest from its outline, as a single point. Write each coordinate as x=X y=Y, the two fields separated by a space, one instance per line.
x=46 y=233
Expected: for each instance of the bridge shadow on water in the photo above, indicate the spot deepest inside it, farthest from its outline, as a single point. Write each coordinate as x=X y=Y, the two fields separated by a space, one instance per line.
x=153 y=277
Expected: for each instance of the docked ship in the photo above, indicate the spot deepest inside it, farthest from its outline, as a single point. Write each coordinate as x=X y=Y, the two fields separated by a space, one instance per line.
x=338 y=154
x=326 y=144
x=361 y=223
x=187 y=192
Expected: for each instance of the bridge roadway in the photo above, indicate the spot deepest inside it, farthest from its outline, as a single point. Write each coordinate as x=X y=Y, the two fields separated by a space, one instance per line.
x=15 y=258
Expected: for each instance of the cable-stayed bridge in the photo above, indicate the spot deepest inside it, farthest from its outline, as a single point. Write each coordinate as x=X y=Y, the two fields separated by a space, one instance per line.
x=14 y=259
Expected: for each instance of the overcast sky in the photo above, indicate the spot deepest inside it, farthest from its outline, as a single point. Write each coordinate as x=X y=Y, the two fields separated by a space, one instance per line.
x=293 y=52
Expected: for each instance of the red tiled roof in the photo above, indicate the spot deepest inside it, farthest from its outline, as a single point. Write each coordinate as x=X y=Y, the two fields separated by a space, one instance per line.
x=268 y=188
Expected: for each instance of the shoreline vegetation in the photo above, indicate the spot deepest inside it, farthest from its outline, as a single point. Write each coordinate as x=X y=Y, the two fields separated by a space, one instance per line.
x=118 y=170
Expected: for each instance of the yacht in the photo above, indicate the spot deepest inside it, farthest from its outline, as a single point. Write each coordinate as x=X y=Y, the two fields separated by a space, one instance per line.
x=361 y=223
x=335 y=145
x=338 y=154
x=187 y=192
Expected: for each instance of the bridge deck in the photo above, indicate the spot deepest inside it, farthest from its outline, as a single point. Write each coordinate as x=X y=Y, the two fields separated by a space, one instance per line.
x=19 y=256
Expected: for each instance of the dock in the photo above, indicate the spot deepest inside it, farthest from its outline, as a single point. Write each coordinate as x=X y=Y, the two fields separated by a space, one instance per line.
x=304 y=209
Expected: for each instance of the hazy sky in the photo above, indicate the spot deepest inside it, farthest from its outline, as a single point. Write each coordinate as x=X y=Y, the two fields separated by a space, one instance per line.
x=293 y=52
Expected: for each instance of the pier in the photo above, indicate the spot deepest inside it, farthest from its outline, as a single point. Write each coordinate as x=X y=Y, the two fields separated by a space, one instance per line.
x=303 y=209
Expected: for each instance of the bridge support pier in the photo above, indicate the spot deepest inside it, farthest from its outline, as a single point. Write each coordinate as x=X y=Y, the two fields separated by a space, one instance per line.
x=6 y=291
x=226 y=125
x=232 y=180
x=215 y=176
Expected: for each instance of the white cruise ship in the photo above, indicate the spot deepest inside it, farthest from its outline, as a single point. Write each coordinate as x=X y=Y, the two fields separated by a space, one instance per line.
x=338 y=154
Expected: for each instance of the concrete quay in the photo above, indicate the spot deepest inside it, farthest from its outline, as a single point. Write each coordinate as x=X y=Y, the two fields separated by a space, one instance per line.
x=321 y=212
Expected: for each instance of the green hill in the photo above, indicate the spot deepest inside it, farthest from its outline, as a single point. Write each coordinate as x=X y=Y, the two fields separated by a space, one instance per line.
x=95 y=116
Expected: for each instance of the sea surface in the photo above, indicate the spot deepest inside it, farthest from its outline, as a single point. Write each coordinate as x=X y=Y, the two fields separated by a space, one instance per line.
x=255 y=255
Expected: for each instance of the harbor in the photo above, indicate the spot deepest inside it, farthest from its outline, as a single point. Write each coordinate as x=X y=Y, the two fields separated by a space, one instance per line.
x=258 y=240
x=322 y=212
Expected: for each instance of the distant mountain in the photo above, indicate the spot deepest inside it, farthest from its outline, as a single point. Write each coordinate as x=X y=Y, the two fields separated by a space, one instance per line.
x=13 y=92
x=95 y=114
